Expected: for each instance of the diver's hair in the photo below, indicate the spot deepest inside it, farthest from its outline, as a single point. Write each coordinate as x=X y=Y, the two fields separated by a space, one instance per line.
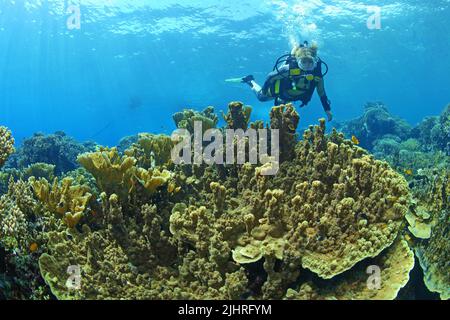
x=311 y=51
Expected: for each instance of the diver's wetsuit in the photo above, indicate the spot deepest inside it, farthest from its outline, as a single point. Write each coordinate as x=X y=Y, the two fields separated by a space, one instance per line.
x=284 y=87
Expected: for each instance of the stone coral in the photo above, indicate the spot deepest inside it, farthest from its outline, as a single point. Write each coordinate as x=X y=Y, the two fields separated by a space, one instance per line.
x=430 y=220
x=229 y=231
x=186 y=119
x=285 y=119
x=238 y=116
x=151 y=150
x=394 y=265
x=57 y=149
x=434 y=257
x=113 y=173
x=6 y=145
x=375 y=124
x=64 y=199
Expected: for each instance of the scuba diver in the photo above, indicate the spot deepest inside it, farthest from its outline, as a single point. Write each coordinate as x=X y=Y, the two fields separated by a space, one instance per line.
x=295 y=80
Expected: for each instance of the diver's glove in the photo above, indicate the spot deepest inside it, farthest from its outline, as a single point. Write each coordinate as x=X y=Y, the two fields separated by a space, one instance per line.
x=248 y=80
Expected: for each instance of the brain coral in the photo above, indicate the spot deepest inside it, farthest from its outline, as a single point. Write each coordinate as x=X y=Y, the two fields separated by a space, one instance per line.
x=6 y=145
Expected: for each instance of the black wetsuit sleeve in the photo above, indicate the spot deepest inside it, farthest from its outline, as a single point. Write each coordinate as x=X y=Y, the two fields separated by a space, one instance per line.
x=326 y=104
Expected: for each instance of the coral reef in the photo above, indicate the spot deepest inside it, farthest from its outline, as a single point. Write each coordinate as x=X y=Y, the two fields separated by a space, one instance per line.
x=131 y=224
x=434 y=132
x=285 y=119
x=6 y=145
x=394 y=265
x=64 y=199
x=434 y=257
x=186 y=119
x=57 y=149
x=238 y=116
x=375 y=124
x=151 y=150
x=428 y=222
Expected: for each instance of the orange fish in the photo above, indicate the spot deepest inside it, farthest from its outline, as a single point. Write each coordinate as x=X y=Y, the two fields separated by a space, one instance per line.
x=355 y=140
x=34 y=247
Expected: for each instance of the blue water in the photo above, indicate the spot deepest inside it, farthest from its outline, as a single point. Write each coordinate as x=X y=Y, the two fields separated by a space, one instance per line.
x=134 y=63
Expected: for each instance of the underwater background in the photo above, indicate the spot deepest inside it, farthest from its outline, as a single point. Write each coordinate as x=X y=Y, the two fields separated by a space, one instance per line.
x=92 y=206
x=134 y=63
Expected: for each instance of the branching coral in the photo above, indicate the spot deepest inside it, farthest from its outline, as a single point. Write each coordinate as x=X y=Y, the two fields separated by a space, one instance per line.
x=285 y=119
x=238 y=116
x=6 y=145
x=151 y=150
x=113 y=173
x=187 y=118
x=66 y=200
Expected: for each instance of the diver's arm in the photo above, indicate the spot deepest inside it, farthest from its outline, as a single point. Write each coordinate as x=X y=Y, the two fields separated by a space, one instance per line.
x=324 y=99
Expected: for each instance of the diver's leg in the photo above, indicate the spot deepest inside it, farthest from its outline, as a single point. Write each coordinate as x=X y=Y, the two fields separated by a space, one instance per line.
x=259 y=92
x=257 y=89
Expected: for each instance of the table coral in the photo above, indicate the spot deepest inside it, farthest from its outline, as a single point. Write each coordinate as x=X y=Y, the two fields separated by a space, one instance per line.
x=431 y=190
x=395 y=265
x=6 y=145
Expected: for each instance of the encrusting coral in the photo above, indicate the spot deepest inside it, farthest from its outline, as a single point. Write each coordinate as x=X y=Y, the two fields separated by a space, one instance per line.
x=6 y=145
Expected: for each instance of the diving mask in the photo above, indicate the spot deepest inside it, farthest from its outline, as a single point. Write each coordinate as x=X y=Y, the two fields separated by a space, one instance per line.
x=307 y=63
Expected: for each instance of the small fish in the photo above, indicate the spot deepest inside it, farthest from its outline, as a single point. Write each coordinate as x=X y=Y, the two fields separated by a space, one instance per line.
x=408 y=172
x=355 y=140
x=34 y=247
